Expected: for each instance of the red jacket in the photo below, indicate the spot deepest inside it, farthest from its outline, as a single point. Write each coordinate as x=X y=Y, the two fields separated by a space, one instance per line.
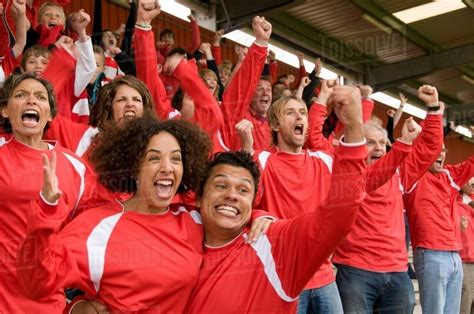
x=434 y=222
x=377 y=241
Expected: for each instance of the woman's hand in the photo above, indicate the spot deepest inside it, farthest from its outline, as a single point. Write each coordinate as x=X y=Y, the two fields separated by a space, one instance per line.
x=50 y=191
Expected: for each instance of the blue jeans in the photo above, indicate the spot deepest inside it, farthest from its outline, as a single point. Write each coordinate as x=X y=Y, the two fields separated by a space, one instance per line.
x=321 y=300
x=365 y=291
x=439 y=276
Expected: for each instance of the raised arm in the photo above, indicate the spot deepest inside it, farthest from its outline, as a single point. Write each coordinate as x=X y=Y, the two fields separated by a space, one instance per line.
x=383 y=169
x=216 y=46
x=308 y=92
x=428 y=146
x=21 y=26
x=207 y=113
x=399 y=111
x=195 y=35
x=86 y=66
x=316 y=117
x=146 y=58
x=461 y=173
x=238 y=94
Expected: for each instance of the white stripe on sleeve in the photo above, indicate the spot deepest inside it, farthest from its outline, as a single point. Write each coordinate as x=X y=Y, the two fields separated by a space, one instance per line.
x=97 y=246
x=263 y=248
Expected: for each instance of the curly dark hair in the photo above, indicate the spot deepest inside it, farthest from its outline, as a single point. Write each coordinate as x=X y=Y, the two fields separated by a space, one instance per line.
x=118 y=153
x=102 y=109
x=237 y=159
x=9 y=87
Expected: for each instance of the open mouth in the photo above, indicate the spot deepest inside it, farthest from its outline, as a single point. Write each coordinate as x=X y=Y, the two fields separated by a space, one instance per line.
x=129 y=114
x=111 y=42
x=299 y=129
x=30 y=117
x=52 y=24
x=163 y=188
x=373 y=158
x=439 y=162
x=264 y=102
x=227 y=210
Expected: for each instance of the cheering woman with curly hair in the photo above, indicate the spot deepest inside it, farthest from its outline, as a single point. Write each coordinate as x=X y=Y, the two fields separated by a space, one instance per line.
x=108 y=251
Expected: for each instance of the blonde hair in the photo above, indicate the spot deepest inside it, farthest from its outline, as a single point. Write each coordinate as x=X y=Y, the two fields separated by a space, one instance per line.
x=206 y=72
x=46 y=5
x=275 y=111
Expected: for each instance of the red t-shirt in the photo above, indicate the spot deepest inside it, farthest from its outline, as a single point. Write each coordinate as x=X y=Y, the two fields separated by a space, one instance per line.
x=268 y=275
x=130 y=261
x=467 y=235
x=292 y=185
x=21 y=179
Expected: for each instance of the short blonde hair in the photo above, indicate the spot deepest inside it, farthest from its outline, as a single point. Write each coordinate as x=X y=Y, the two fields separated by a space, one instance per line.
x=46 y=5
x=275 y=111
x=206 y=72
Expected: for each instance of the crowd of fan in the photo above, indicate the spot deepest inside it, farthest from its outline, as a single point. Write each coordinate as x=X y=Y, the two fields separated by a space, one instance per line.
x=129 y=170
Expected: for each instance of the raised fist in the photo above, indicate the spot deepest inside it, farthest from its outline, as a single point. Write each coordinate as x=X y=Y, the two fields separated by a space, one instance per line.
x=410 y=130
x=262 y=30
x=429 y=95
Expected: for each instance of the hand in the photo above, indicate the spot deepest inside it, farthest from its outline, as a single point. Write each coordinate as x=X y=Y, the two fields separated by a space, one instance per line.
x=429 y=95
x=160 y=45
x=391 y=113
x=327 y=87
x=205 y=48
x=147 y=11
x=347 y=104
x=89 y=307
x=464 y=223
x=113 y=51
x=82 y=21
x=259 y=226
x=121 y=29
x=202 y=64
x=171 y=63
x=217 y=37
x=318 y=65
x=365 y=90
x=410 y=130
x=403 y=99
x=244 y=128
x=50 y=190
x=241 y=52
x=271 y=55
x=67 y=43
x=191 y=17
x=18 y=8
x=305 y=82
x=300 y=56
x=261 y=30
